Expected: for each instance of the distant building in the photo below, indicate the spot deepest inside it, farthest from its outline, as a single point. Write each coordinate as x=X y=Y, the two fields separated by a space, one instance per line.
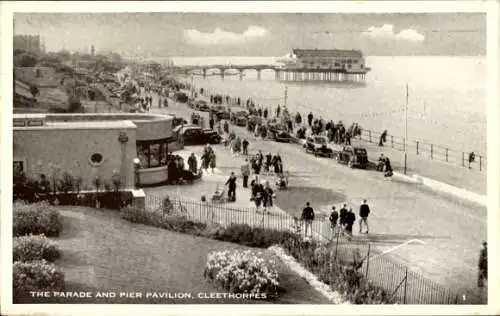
x=328 y=59
x=28 y=43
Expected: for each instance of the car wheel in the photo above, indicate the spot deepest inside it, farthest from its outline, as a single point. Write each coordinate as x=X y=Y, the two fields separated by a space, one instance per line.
x=350 y=163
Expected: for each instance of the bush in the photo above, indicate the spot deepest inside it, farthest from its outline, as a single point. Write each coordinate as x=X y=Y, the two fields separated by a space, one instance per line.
x=341 y=274
x=177 y=223
x=242 y=272
x=34 y=247
x=35 y=276
x=38 y=218
x=253 y=236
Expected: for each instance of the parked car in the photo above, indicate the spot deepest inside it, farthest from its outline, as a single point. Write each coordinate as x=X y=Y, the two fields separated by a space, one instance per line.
x=279 y=133
x=221 y=111
x=201 y=105
x=181 y=97
x=352 y=156
x=239 y=116
x=318 y=145
x=195 y=135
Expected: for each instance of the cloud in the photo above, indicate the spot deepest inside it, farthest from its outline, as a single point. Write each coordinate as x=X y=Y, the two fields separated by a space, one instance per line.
x=221 y=37
x=387 y=31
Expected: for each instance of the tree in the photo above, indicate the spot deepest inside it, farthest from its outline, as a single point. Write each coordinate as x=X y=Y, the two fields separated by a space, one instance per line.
x=25 y=60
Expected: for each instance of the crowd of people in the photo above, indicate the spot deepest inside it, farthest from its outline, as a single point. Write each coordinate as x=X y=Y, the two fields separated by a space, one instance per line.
x=341 y=222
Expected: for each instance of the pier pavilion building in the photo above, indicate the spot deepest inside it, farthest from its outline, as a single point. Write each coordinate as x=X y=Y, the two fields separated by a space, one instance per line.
x=323 y=65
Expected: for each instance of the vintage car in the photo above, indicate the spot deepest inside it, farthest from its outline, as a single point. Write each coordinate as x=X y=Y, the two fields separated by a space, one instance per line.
x=221 y=111
x=181 y=97
x=201 y=105
x=195 y=135
x=318 y=145
x=239 y=116
x=279 y=133
x=352 y=156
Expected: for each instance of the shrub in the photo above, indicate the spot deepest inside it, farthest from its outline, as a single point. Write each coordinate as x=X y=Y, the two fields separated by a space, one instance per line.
x=340 y=272
x=177 y=223
x=253 y=236
x=34 y=247
x=38 y=218
x=35 y=276
x=242 y=272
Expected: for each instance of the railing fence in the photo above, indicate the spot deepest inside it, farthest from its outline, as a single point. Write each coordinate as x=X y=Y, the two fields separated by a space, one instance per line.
x=427 y=150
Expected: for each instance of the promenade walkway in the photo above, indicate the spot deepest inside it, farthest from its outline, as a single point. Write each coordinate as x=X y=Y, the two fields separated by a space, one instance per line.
x=450 y=229
x=462 y=177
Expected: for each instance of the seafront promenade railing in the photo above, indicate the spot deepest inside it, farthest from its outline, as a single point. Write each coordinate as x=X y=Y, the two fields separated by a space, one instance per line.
x=427 y=150
x=405 y=285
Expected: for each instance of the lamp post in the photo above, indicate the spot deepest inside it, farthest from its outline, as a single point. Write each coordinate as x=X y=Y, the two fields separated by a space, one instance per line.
x=136 y=172
x=406 y=128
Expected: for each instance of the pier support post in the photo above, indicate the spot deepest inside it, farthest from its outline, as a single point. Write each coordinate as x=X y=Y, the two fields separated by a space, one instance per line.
x=241 y=74
x=204 y=73
x=221 y=73
x=258 y=74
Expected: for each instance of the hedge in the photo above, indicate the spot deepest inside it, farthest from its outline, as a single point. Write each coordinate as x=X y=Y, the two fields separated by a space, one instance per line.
x=35 y=276
x=38 y=218
x=34 y=247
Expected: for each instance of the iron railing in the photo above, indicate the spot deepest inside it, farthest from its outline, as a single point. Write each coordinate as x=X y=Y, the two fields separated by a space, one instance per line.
x=427 y=150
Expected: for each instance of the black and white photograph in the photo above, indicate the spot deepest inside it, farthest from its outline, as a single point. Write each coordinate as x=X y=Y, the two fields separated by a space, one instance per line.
x=272 y=156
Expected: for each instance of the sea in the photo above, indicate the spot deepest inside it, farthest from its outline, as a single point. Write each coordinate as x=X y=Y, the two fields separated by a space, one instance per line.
x=446 y=96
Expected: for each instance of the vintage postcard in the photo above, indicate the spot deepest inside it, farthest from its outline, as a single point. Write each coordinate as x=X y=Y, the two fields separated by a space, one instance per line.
x=309 y=158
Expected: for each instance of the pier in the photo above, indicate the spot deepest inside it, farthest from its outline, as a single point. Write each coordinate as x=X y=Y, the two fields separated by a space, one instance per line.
x=282 y=73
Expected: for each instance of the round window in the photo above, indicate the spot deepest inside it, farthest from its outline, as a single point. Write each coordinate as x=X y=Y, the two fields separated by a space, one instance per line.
x=96 y=158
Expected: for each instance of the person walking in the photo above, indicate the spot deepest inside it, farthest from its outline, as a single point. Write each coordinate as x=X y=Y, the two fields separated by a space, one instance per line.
x=472 y=158
x=350 y=219
x=211 y=121
x=267 y=164
x=383 y=137
x=193 y=163
x=334 y=216
x=231 y=183
x=483 y=265
x=278 y=110
x=245 y=173
x=310 y=119
x=342 y=218
x=245 y=147
x=308 y=218
x=212 y=161
x=364 y=211
x=267 y=196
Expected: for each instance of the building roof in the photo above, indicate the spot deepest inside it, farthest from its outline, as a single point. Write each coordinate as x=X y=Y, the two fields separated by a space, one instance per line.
x=327 y=53
x=23 y=89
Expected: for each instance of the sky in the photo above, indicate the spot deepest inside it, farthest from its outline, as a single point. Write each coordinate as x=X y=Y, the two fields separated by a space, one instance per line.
x=258 y=34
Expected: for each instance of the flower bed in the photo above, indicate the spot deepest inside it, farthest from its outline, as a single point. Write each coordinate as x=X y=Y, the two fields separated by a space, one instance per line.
x=35 y=276
x=34 y=247
x=343 y=275
x=39 y=218
x=243 y=272
x=319 y=286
